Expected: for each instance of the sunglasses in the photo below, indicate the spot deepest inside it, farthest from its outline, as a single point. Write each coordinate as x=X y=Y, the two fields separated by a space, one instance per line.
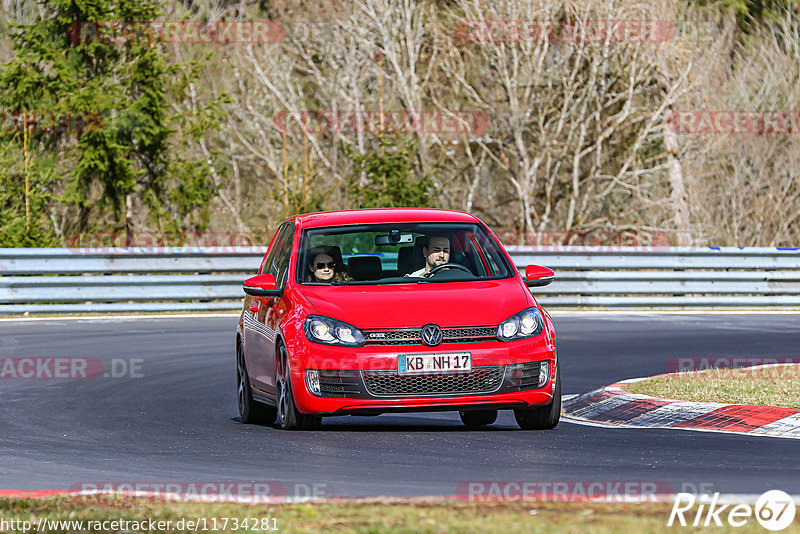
x=329 y=265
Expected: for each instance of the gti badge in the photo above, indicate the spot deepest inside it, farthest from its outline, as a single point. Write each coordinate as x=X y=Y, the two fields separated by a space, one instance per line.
x=431 y=335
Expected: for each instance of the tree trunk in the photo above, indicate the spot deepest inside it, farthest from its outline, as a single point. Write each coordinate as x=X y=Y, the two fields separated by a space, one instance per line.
x=678 y=198
x=128 y=220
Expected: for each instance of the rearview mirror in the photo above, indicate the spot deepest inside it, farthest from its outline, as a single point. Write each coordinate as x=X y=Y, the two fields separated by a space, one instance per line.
x=263 y=285
x=394 y=238
x=537 y=276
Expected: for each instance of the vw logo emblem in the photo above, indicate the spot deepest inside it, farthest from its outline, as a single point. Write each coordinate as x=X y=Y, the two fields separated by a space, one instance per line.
x=431 y=335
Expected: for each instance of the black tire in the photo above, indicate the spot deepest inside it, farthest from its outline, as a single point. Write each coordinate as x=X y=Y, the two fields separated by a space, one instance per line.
x=288 y=416
x=542 y=417
x=250 y=411
x=474 y=418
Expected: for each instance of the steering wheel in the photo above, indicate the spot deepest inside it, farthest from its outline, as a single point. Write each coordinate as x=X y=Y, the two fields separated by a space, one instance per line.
x=450 y=266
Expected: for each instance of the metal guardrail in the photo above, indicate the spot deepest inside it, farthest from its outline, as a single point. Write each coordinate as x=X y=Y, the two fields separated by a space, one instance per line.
x=36 y=281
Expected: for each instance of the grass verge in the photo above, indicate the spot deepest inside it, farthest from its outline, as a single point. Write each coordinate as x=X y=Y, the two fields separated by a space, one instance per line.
x=764 y=386
x=360 y=517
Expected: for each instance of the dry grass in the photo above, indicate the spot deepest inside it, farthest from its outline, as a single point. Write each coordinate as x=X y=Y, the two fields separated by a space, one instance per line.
x=768 y=386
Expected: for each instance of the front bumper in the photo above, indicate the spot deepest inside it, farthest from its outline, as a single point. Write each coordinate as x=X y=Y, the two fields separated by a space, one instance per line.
x=365 y=379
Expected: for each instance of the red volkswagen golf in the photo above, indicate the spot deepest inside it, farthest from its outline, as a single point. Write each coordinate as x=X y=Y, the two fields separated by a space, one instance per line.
x=394 y=310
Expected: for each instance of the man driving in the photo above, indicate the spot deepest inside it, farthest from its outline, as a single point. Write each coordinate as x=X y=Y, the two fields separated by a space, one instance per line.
x=436 y=253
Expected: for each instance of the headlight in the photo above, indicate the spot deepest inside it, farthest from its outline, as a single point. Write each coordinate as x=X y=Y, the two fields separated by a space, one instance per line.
x=527 y=323
x=321 y=329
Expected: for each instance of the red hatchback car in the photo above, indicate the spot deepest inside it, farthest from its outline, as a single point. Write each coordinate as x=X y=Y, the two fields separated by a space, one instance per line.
x=371 y=311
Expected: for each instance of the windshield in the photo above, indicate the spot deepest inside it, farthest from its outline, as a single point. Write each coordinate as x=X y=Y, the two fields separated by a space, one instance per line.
x=400 y=254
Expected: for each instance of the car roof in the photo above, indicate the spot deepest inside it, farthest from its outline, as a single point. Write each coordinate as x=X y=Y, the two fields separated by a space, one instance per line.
x=381 y=215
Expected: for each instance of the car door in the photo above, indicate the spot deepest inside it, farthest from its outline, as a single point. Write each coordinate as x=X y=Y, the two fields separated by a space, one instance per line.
x=264 y=314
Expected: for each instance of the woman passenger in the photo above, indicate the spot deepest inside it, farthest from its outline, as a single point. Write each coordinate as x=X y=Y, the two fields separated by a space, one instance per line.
x=322 y=268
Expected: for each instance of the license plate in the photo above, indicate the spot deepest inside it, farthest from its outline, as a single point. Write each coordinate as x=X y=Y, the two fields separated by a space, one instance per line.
x=450 y=362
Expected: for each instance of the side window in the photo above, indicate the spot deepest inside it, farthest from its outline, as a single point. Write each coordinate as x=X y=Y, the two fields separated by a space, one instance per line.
x=282 y=257
x=488 y=255
x=277 y=262
x=275 y=245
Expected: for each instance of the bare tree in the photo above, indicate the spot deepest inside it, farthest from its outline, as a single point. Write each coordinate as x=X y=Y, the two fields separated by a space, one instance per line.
x=576 y=120
x=746 y=188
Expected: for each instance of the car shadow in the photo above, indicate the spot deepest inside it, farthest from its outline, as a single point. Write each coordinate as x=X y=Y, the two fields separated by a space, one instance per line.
x=411 y=428
x=407 y=424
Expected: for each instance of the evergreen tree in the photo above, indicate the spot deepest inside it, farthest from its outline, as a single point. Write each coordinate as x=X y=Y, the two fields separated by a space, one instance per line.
x=120 y=89
x=389 y=177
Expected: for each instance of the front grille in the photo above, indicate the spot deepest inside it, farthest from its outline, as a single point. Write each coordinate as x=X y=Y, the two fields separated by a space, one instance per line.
x=467 y=335
x=412 y=336
x=393 y=337
x=338 y=384
x=392 y=384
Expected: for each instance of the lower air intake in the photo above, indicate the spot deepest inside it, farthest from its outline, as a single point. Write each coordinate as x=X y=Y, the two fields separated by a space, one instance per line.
x=392 y=384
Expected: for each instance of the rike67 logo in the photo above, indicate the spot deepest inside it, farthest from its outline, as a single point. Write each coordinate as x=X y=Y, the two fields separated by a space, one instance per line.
x=774 y=510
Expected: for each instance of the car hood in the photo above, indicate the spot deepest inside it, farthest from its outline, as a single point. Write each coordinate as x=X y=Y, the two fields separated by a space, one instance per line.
x=482 y=303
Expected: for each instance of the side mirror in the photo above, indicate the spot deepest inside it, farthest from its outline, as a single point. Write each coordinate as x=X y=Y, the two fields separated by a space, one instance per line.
x=537 y=276
x=263 y=285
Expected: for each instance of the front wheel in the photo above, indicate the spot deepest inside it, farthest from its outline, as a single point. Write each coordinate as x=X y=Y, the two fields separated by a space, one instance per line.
x=289 y=417
x=542 y=417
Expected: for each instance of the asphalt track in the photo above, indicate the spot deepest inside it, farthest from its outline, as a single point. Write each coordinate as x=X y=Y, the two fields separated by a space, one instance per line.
x=178 y=420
